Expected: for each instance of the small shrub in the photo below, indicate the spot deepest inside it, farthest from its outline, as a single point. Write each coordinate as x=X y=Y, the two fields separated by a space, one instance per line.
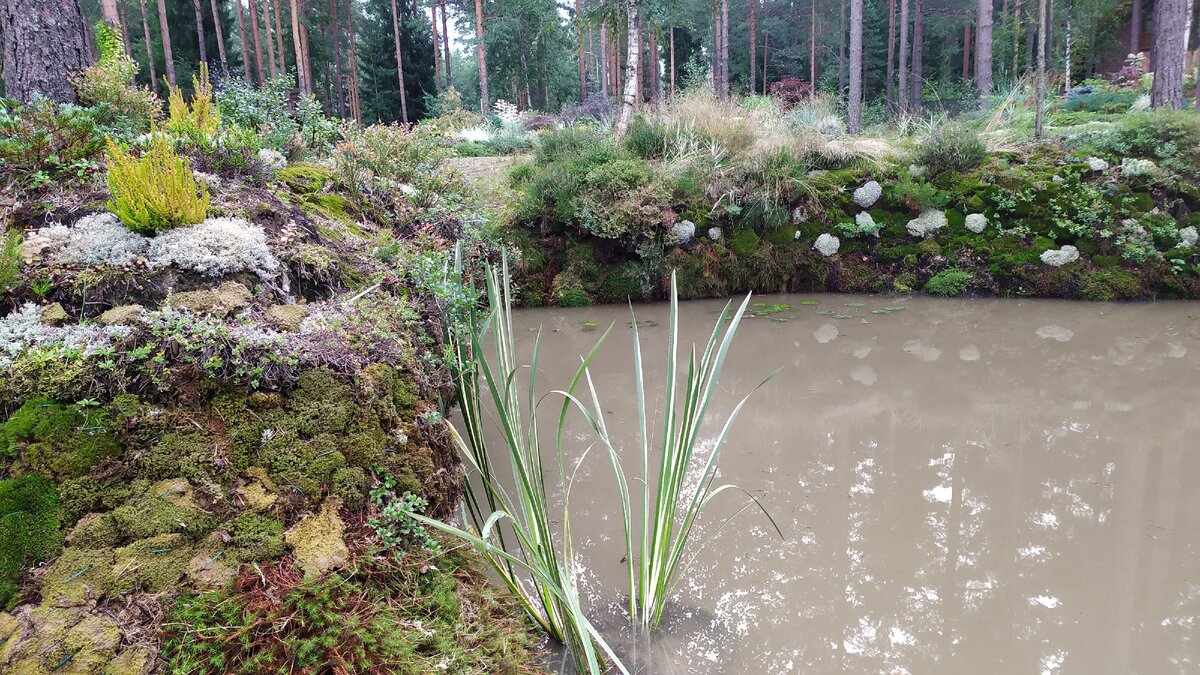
x=948 y=283
x=129 y=109
x=951 y=149
x=200 y=119
x=394 y=525
x=42 y=142
x=916 y=193
x=790 y=90
x=646 y=138
x=156 y=191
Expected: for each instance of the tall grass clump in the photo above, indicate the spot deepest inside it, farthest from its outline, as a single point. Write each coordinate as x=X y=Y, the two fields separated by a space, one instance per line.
x=516 y=533
x=155 y=191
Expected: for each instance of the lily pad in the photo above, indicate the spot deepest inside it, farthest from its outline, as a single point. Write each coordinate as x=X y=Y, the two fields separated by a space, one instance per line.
x=588 y=326
x=856 y=304
x=810 y=302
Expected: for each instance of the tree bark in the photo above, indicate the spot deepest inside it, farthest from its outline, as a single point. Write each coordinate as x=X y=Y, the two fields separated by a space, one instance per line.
x=579 y=45
x=123 y=17
x=399 y=62
x=652 y=64
x=966 y=73
x=918 y=47
x=1030 y=53
x=629 y=96
x=168 y=57
x=753 y=45
x=279 y=39
x=298 y=47
x=854 y=109
x=672 y=94
x=108 y=12
x=220 y=38
x=200 y=31
x=258 y=59
x=890 y=95
x=983 y=48
x=841 y=48
x=481 y=54
x=766 y=57
x=724 y=50
x=1170 y=45
x=308 y=78
x=355 y=99
x=266 y=24
x=902 y=69
x=1039 y=92
x=1135 y=28
x=437 y=51
x=446 y=48
x=336 y=39
x=812 y=52
x=149 y=47
x=45 y=46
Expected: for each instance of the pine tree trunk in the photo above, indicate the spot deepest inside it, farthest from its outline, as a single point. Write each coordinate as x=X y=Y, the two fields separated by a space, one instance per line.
x=854 y=108
x=437 y=51
x=672 y=62
x=841 y=48
x=725 y=90
x=1039 y=92
x=766 y=57
x=336 y=39
x=983 y=48
x=399 y=62
x=918 y=47
x=579 y=40
x=890 y=95
x=149 y=47
x=446 y=48
x=282 y=59
x=753 y=45
x=629 y=96
x=200 y=31
x=1016 y=32
x=655 y=74
x=1170 y=46
x=966 y=72
x=258 y=59
x=308 y=78
x=481 y=54
x=812 y=52
x=123 y=17
x=1135 y=28
x=216 y=12
x=355 y=98
x=298 y=48
x=902 y=69
x=266 y=25
x=45 y=46
x=108 y=12
x=168 y=57
x=1030 y=38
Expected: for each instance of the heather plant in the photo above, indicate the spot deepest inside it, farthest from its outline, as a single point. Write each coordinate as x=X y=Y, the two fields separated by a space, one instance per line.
x=127 y=108
x=951 y=148
x=199 y=119
x=155 y=191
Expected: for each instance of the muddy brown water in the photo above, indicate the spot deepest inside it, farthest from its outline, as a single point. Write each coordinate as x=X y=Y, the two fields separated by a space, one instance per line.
x=965 y=486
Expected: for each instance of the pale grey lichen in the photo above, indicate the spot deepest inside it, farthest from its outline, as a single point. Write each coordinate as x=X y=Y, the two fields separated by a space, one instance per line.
x=916 y=171
x=868 y=194
x=1060 y=257
x=96 y=239
x=23 y=329
x=1096 y=164
x=827 y=244
x=1132 y=167
x=976 y=222
x=930 y=221
x=683 y=232
x=213 y=181
x=714 y=233
x=272 y=159
x=1188 y=237
x=216 y=247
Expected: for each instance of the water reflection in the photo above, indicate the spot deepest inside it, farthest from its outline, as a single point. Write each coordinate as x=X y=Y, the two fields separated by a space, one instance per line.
x=1036 y=516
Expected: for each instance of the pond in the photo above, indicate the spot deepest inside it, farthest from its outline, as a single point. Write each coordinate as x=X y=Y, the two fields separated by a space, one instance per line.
x=963 y=485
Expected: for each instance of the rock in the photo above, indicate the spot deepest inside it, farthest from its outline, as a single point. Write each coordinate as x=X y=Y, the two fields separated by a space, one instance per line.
x=272 y=159
x=868 y=194
x=683 y=232
x=827 y=244
x=133 y=661
x=1096 y=164
x=54 y=315
x=317 y=540
x=40 y=640
x=287 y=317
x=930 y=221
x=1060 y=257
x=227 y=298
x=1188 y=237
x=1058 y=179
x=799 y=215
x=976 y=222
x=122 y=315
x=714 y=233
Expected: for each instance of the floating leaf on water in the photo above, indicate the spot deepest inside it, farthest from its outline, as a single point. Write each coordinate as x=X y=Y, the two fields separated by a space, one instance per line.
x=894 y=309
x=825 y=312
x=842 y=316
x=856 y=304
x=880 y=311
x=648 y=323
x=588 y=326
x=780 y=319
x=810 y=302
x=759 y=304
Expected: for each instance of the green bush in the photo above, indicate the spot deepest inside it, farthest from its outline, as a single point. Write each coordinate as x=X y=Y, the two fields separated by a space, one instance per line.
x=1103 y=101
x=29 y=527
x=948 y=283
x=951 y=148
x=155 y=191
x=43 y=142
x=646 y=138
x=915 y=193
x=743 y=242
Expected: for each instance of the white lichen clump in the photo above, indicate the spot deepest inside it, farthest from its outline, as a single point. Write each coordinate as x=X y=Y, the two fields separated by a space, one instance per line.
x=868 y=194
x=1060 y=257
x=683 y=232
x=1132 y=167
x=714 y=233
x=272 y=159
x=216 y=247
x=827 y=244
x=930 y=221
x=98 y=239
x=976 y=222
x=866 y=224
x=1096 y=164
x=1188 y=237
x=24 y=328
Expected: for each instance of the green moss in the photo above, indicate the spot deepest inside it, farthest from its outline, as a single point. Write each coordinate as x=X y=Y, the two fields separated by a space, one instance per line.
x=167 y=506
x=304 y=178
x=86 y=494
x=319 y=404
x=64 y=441
x=780 y=236
x=30 y=528
x=1110 y=284
x=743 y=242
x=572 y=297
x=948 y=283
x=334 y=207
x=152 y=565
x=255 y=537
x=929 y=248
x=351 y=485
x=79 y=575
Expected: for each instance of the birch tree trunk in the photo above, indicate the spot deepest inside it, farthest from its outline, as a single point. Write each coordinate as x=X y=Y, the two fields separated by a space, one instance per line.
x=481 y=53
x=149 y=47
x=45 y=46
x=399 y=62
x=1170 y=46
x=854 y=109
x=983 y=48
x=168 y=57
x=629 y=96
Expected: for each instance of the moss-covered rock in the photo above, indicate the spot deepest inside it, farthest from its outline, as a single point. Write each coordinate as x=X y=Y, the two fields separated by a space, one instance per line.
x=153 y=564
x=57 y=640
x=304 y=178
x=30 y=529
x=317 y=540
x=165 y=507
x=255 y=537
x=228 y=298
